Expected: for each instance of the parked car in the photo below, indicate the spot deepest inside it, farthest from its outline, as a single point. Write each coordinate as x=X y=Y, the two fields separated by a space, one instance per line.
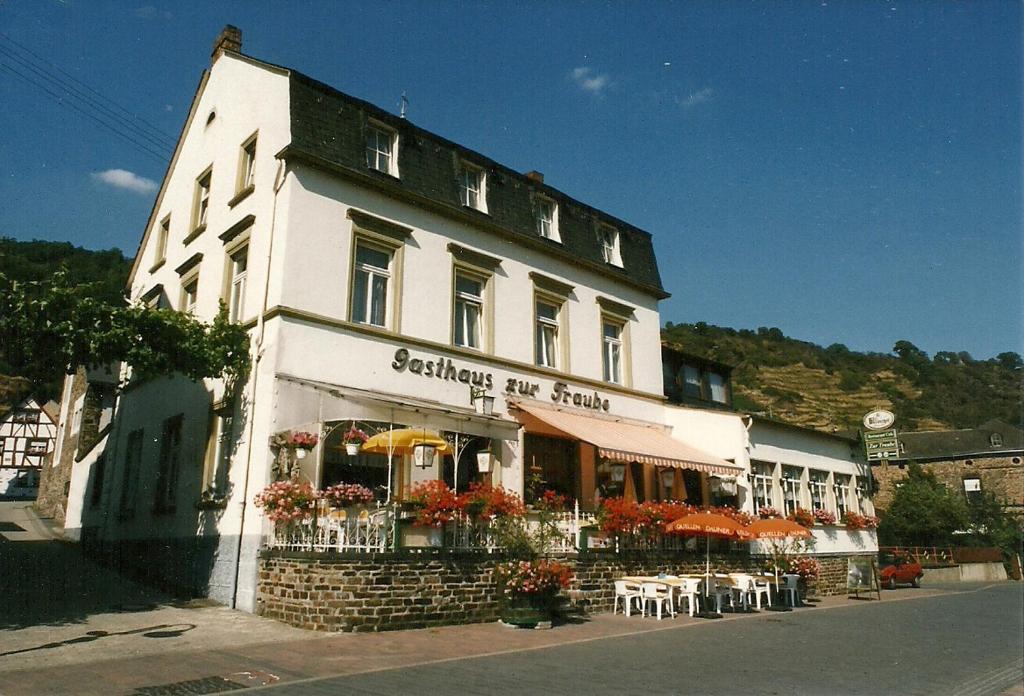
x=897 y=568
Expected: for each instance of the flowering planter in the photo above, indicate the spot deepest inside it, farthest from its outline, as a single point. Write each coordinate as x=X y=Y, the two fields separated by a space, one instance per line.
x=352 y=448
x=528 y=610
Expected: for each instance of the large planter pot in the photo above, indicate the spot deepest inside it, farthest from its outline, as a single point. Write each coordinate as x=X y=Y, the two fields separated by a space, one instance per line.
x=528 y=610
x=421 y=537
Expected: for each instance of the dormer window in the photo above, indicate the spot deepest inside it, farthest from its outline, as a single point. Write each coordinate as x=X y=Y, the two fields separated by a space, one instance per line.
x=472 y=187
x=546 y=212
x=996 y=440
x=381 y=148
x=608 y=237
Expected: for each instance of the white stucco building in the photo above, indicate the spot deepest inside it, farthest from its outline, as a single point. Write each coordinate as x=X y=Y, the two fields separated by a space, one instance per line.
x=27 y=434
x=384 y=273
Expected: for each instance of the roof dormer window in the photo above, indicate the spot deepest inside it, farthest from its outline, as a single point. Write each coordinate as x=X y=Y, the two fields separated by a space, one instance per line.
x=995 y=439
x=473 y=187
x=608 y=237
x=382 y=149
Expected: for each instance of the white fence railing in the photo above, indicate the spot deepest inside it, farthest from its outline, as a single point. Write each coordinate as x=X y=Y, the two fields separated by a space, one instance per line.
x=368 y=531
x=373 y=531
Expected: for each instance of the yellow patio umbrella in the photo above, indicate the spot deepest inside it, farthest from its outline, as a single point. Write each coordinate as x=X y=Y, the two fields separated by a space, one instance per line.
x=403 y=440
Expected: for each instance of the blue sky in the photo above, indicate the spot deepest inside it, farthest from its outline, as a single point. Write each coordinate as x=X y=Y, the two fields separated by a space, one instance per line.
x=846 y=171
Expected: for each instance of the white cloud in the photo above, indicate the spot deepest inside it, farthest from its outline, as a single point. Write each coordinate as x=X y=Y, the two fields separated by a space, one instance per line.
x=699 y=97
x=124 y=179
x=589 y=81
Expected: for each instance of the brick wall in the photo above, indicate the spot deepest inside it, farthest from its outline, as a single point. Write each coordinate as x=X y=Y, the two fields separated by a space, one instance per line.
x=335 y=592
x=1003 y=476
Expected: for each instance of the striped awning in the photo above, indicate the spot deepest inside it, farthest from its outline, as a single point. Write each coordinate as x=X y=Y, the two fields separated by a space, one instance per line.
x=629 y=442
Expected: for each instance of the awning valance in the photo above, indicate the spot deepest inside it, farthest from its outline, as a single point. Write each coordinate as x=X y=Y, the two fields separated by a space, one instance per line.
x=302 y=401
x=631 y=442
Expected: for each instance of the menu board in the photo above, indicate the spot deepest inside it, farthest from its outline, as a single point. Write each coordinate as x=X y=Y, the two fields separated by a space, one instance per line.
x=862 y=576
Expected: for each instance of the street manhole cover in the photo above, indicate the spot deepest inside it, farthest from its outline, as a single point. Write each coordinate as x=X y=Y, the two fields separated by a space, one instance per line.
x=206 y=685
x=10 y=527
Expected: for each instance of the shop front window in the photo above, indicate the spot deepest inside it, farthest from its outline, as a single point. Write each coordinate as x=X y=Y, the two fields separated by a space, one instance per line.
x=551 y=464
x=468 y=472
x=370 y=470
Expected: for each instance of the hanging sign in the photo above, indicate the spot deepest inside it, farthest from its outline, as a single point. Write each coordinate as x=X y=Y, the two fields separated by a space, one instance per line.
x=879 y=420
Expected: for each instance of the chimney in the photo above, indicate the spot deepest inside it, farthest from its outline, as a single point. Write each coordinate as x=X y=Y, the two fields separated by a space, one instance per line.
x=230 y=39
x=535 y=176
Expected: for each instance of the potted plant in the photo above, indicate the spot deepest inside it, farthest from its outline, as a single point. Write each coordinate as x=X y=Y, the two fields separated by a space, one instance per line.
x=353 y=439
x=803 y=517
x=342 y=495
x=287 y=502
x=767 y=512
x=531 y=590
x=434 y=505
x=824 y=517
x=302 y=442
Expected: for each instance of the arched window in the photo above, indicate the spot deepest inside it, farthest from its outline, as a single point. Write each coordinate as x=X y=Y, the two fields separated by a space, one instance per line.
x=996 y=440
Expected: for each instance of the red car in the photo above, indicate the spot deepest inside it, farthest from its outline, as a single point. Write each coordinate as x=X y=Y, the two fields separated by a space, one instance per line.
x=895 y=568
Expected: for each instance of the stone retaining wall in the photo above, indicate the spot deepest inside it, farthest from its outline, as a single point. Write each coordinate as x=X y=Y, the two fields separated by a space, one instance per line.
x=338 y=592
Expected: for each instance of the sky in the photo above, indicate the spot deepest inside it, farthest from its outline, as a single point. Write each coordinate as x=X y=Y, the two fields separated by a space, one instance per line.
x=849 y=172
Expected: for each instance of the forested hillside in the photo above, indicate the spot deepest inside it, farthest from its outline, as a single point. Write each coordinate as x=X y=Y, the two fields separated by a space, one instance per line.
x=832 y=388
x=105 y=271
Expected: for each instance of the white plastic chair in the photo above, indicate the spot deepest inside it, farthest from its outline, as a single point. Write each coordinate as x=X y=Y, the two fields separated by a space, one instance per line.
x=763 y=587
x=690 y=589
x=628 y=591
x=743 y=586
x=792 y=587
x=660 y=595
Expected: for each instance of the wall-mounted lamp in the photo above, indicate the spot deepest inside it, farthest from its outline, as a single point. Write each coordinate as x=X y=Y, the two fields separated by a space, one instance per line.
x=480 y=394
x=423 y=456
x=618 y=470
x=668 y=477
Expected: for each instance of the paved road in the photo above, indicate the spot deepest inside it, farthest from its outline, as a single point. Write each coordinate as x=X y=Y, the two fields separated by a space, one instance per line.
x=966 y=643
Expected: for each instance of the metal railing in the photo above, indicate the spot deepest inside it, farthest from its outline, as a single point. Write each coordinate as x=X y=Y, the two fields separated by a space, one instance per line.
x=339 y=530
x=925 y=555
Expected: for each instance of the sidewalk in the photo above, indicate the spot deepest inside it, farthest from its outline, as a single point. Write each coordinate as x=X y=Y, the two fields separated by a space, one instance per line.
x=170 y=645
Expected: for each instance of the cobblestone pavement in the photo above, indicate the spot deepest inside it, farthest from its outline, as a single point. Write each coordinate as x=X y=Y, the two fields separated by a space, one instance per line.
x=839 y=646
x=71 y=626
x=963 y=643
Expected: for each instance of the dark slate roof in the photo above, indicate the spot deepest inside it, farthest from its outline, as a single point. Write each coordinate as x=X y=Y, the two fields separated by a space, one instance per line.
x=328 y=129
x=941 y=444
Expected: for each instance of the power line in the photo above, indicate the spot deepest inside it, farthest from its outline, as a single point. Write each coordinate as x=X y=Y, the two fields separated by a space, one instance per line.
x=155 y=129
x=143 y=147
x=161 y=141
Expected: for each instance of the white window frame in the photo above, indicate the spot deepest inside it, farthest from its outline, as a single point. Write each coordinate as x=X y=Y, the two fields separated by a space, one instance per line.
x=471 y=340
x=791 y=485
x=385 y=161
x=189 y=300
x=238 y=284
x=371 y=272
x=841 y=490
x=547 y=228
x=762 y=485
x=473 y=187
x=613 y=350
x=130 y=476
x=162 y=236
x=817 y=487
x=545 y=324
x=608 y=238
x=247 y=164
x=201 y=207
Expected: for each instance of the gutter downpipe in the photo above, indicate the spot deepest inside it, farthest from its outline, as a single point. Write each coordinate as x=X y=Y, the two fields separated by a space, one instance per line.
x=282 y=176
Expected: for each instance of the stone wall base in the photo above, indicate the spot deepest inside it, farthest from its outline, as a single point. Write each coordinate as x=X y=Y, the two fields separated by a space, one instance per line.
x=336 y=592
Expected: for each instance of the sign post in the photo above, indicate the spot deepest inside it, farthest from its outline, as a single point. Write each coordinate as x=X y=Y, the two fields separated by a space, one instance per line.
x=862 y=575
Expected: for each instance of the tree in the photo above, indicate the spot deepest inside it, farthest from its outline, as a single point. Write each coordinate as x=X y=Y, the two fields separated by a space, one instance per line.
x=50 y=327
x=923 y=512
x=1010 y=360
